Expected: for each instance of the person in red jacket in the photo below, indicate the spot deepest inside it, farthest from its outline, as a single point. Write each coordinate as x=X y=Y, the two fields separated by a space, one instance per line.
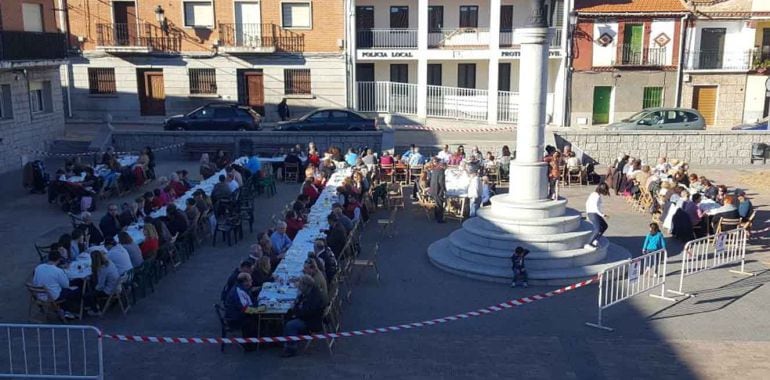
x=309 y=189
x=293 y=224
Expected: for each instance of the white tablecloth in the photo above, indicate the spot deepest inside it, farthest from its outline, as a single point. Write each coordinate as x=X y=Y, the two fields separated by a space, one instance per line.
x=135 y=229
x=457 y=182
x=278 y=159
x=81 y=266
x=279 y=296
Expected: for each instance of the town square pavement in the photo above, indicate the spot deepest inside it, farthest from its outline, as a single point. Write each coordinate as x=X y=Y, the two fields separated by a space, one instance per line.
x=721 y=333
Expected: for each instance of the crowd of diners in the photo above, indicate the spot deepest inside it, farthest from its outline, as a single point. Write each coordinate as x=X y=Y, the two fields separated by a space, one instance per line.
x=686 y=204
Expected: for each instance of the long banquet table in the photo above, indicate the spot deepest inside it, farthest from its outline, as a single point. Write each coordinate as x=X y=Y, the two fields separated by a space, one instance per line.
x=278 y=297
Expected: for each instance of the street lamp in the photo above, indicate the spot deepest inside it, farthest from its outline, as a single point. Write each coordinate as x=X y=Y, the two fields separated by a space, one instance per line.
x=573 y=18
x=160 y=15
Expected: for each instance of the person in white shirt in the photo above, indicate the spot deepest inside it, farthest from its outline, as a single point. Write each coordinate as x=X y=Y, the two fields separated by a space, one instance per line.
x=48 y=275
x=596 y=215
x=118 y=255
x=232 y=183
x=280 y=240
x=474 y=192
x=445 y=154
x=663 y=166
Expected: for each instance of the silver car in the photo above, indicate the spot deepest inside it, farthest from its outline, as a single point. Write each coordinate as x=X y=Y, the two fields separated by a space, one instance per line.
x=661 y=119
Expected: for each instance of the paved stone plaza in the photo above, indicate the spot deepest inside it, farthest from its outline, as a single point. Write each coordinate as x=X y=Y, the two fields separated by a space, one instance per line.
x=720 y=333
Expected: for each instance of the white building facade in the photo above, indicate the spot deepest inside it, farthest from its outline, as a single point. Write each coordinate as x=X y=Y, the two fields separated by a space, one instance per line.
x=451 y=59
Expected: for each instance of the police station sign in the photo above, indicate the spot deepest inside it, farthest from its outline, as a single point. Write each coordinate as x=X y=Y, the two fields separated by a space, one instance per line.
x=386 y=54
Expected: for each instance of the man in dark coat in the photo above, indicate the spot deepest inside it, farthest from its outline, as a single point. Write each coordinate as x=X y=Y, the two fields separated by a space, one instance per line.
x=438 y=188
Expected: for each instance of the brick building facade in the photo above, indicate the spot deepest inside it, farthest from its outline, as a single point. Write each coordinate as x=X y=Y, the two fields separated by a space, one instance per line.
x=151 y=58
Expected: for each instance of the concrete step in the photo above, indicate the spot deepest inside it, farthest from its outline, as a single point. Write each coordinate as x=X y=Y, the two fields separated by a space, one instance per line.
x=486 y=234
x=537 y=259
x=440 y=254
x=506 y=205
x=570 y=221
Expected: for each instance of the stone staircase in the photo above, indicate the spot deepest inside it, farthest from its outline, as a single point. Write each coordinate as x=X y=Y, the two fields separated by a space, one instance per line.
x=554 y=235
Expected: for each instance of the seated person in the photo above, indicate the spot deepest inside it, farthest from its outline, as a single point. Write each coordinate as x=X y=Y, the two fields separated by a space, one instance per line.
x=177 y=220
x=49 y=276
x=727 y=211
x=110 y=223
x=246 y=266
x=221 y=190
x=238 y=306
x=279 y=238
x=294 y=223
x=107 y=280
x=745 y=208
x=306 y=315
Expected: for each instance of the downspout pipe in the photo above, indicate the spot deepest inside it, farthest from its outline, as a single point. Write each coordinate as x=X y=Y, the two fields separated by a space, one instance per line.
x=680 y=67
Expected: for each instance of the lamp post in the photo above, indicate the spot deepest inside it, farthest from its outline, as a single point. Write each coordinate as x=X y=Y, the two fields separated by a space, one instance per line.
x=160 y=16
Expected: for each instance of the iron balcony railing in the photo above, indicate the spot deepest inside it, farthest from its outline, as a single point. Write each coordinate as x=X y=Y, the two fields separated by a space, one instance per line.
x=719 y=59
x=257 y=36
x=506 y=38
x=458 y=38
x=634 y=56
x=386 y=39
x=26 y=46
x=140 y=35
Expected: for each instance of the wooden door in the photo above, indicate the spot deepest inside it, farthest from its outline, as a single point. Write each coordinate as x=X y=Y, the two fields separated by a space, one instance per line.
x=251 y=90
x=704 y=99
x=506 y=18
x=152 y=94
x=601 y=109
x=124 y=27
x=435 y=18
x=248 y=27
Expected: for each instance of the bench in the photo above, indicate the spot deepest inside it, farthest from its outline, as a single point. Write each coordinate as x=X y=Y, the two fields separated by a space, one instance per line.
x=197 y=149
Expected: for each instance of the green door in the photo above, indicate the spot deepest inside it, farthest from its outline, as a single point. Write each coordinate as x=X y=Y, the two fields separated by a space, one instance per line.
x=632 y=45
x=602 y=95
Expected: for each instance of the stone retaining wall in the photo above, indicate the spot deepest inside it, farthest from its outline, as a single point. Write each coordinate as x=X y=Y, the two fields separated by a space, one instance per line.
x=695 y=147
x=136 y=140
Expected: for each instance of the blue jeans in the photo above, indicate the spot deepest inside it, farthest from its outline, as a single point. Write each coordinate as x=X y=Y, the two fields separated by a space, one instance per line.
x=474 y=204
x=598 y=224
x=292 y=328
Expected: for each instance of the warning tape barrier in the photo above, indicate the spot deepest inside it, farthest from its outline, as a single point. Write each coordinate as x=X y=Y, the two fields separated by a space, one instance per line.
x=83 y=154
x=407 y=326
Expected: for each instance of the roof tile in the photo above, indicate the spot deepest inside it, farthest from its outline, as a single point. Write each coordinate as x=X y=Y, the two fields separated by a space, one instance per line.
x=631 y=6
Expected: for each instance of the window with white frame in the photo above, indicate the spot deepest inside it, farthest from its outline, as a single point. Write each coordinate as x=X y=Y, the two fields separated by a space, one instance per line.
x=6 y=104
x=198 y=14
x=40 y=96
x=296 y=15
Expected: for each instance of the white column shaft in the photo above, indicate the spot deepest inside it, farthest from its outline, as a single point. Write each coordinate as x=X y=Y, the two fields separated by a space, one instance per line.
x=422 y=61
x=530 y=135
x=494 y=54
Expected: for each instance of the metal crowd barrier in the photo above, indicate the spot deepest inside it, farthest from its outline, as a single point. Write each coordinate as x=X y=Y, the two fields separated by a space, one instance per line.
x=623 y=281
x=30 y=351
x=711 y=252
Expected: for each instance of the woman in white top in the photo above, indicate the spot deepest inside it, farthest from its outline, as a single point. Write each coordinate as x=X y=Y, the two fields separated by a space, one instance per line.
x=596 y=215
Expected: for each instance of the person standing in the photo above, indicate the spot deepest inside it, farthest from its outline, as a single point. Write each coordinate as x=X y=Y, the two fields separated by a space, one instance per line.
x=654 y=241
x=595 y=214
x=474 y=192
x=283 y=110
x=438 y=188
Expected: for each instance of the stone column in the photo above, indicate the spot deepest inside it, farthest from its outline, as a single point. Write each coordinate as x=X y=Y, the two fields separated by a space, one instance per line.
x=494 y=59
x=422 y=59
x=528 y=167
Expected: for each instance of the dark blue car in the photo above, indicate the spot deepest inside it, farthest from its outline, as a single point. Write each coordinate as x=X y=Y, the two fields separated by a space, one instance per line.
x=216 y=117
x=329 y=119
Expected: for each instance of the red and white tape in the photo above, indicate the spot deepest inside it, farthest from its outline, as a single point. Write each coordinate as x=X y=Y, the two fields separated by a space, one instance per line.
x=419 y=127
x=345 y=334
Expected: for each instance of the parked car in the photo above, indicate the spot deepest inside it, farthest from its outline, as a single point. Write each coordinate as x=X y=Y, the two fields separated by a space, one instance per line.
x=661 y=119
x=329 y=119
x=758 y=126
x=216 y=117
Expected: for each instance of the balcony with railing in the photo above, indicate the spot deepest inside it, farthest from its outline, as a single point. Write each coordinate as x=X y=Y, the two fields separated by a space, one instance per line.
x=629 y=55
x=386 y=39
x=258 y=38
x=719 y=59
x=136 y=38
x=506 y=38
x=32 y=46
x=459 y=38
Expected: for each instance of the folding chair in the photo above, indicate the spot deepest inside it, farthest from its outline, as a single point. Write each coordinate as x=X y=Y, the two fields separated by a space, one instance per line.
x=291 y=172
x=493 y=173
x=42 y=300
x=387 y=224
x=118 y=295
x=42 y=252
x=573 y=176
x=325 y=329
x=225 y=328
x=427 y=205
x=746 y=225
x=727 y=222
x=396 y=198
x=386 y=173
x=414 y=173
x=368 y=263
